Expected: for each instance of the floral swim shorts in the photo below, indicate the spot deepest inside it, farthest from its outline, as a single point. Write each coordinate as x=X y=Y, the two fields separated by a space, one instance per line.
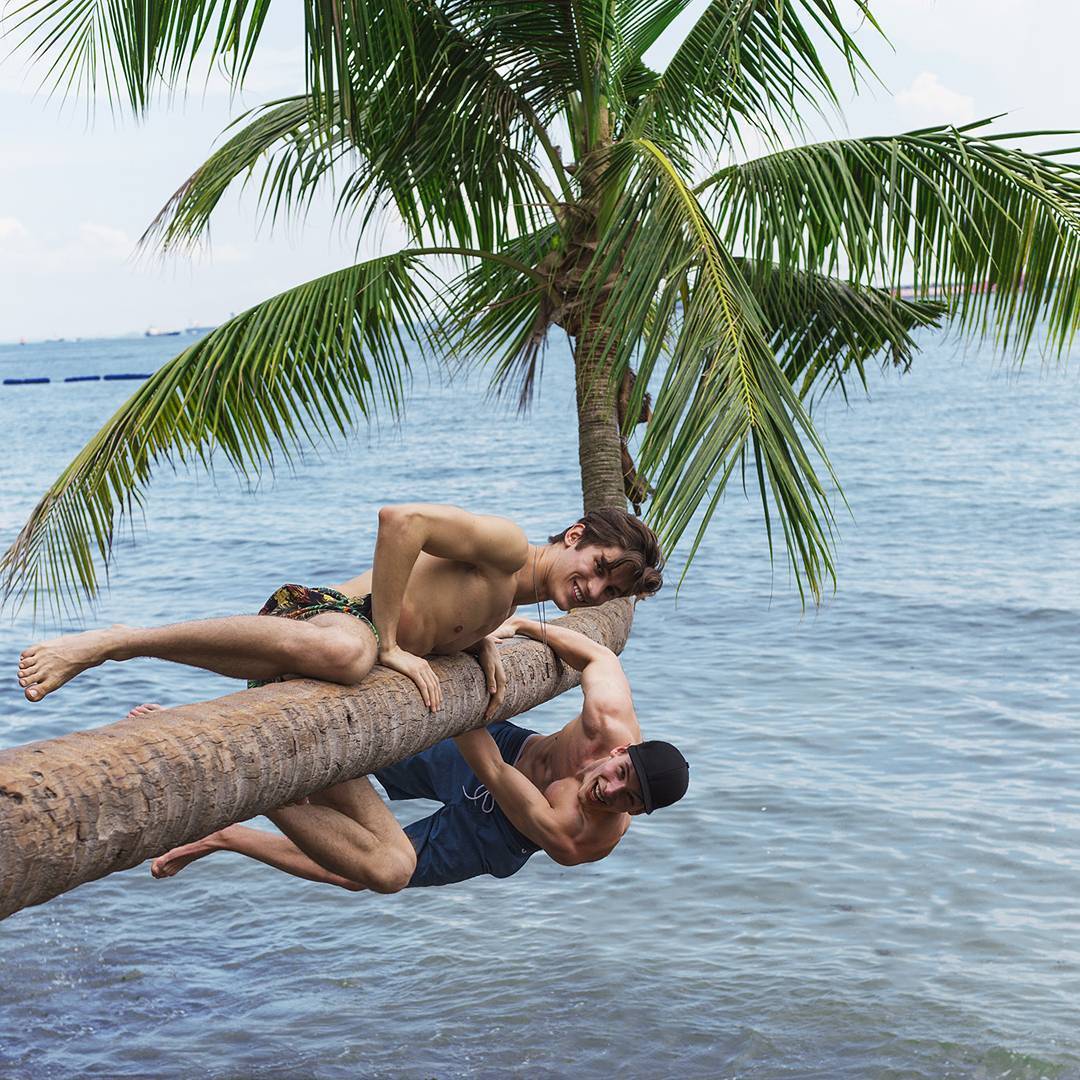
x=305 y=601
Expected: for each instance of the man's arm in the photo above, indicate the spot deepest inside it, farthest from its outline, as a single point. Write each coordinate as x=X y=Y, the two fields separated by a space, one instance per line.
x=555 y=829
x=608 y=702
x=446 y=532
x=487 y=655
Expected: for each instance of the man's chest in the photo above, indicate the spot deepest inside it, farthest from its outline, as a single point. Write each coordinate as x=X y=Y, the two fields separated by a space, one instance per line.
x=459 y=604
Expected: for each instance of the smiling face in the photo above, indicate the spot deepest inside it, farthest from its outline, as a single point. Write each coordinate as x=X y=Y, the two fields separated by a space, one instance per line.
x=611 y=785
x=584 y=576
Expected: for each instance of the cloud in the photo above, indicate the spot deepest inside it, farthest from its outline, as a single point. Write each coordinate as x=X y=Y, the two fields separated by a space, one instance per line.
x=93 y=247
x=105 y=241
x=931 y=100
x=12 y=229
x=30 y=156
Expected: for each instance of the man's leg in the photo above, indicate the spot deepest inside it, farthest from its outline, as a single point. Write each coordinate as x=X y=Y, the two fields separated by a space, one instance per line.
x=267 y=847
x=348 y=830
x=331 y=646
x=344 y=836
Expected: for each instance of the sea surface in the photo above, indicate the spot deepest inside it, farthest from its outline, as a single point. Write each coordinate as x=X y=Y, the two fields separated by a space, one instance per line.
x=875 y=873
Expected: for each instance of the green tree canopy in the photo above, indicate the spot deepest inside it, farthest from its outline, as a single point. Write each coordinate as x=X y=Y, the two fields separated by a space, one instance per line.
x=573 y=187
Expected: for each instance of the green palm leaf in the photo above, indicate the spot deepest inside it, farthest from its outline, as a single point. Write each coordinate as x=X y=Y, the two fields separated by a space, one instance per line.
x=747 y=61
x=285 y=139
x=993 y=230
x=133 y=47
x=721 y=394
x=823 y=330
x=447 y=110
x=504 y=314
x=277 y=376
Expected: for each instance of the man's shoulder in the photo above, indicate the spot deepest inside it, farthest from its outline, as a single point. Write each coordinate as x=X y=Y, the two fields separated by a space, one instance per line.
x=601 y=835
x=503 y=545
x=607 y=728
x=589 y=835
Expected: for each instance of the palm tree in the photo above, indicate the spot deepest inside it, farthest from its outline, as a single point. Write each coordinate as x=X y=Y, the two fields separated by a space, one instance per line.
x=734 y=294
x=571 y=186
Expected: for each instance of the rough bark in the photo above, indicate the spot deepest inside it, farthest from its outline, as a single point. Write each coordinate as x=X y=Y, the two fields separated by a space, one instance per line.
x=76 y=808
x=599 y=445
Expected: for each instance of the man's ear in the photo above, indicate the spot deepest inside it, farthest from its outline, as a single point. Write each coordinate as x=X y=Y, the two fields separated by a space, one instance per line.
x=619 y=750
x=573 y=534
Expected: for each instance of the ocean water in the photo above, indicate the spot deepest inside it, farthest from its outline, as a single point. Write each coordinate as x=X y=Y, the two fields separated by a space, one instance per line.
x=875 y=871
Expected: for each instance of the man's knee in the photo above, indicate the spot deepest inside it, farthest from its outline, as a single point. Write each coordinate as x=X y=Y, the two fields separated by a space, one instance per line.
x=396 y=872
x=344 y=658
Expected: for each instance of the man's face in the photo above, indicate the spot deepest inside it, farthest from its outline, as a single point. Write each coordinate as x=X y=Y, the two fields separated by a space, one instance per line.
x=611 y=785
x=582 y=576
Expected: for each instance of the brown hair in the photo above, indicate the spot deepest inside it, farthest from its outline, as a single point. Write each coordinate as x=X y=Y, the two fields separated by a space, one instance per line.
x=609 y=527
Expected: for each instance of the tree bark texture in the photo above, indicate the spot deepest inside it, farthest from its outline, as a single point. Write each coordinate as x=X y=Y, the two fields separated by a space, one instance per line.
x=599 y=445
x=76 y=808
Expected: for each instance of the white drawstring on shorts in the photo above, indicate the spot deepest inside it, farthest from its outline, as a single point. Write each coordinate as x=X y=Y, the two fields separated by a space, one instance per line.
x=482 y=796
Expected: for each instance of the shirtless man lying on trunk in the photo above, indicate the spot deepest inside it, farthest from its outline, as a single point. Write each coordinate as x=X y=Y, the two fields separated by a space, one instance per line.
x=507 y=793
x=441 y=580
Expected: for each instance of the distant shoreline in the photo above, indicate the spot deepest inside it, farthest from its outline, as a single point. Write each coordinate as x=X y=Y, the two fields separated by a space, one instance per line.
x=128 y=335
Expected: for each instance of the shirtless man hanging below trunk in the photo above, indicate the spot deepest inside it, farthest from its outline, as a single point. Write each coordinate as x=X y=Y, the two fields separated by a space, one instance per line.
x=507 y=793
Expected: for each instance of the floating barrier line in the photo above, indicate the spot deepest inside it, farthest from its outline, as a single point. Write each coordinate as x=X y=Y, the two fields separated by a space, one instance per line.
x=36 y=380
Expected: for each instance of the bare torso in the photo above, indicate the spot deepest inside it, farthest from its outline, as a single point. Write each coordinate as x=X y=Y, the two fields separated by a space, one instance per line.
x=554 y=763
x=448 y=605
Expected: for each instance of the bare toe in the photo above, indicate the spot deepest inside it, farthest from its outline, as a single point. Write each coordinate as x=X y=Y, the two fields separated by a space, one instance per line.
x=144 y=710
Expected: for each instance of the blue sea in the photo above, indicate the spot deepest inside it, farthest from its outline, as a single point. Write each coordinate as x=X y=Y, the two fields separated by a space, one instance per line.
x=875 y=873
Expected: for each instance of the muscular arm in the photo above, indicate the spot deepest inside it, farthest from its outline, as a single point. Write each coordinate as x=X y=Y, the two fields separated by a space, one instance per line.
x=443 y=531
x=608 y=704
x=556 y=829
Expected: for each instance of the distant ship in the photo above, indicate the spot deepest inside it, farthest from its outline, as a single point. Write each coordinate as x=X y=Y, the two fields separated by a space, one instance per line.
x=153 y=331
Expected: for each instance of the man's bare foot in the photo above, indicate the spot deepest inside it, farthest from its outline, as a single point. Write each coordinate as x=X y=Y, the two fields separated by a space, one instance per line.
x=172 y=862
x=144 y=710
x=45 y=667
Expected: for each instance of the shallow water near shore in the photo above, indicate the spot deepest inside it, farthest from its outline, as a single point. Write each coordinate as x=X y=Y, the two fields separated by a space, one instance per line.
x=875 y=871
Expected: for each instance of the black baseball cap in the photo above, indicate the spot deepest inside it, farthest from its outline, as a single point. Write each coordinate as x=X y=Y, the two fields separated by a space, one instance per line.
x=662 y=772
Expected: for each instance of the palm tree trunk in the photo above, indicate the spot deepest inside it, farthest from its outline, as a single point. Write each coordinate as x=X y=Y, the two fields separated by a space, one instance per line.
x=599 y=445
x=79 y=807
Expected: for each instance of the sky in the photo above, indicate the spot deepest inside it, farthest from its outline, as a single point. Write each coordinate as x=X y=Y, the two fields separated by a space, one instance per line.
x=76 y=194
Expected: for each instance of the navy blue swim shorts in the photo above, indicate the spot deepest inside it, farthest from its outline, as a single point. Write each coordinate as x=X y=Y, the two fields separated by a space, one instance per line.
x=469 y=835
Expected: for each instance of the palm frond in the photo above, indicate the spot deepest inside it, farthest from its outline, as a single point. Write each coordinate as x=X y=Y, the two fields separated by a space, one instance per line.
x=722 y=395
x=135 y=47
x=279 y=375
x=449 y=131
x=640 y=24
x=504 y=315
x=753 y=62
x=991 y=229
x=285 y=139
x=363 y=53
x=824 y=331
